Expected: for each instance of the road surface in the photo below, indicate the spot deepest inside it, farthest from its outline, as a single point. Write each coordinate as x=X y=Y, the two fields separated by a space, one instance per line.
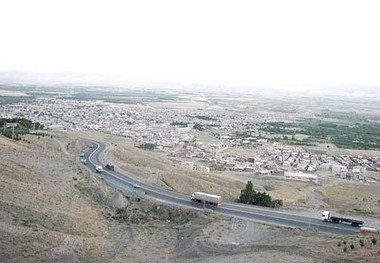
x=124 y=179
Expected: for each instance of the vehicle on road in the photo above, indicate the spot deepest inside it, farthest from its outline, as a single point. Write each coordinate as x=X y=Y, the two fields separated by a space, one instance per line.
x=99 y=168
x=250 y=213
x=81 y=154
x=326 y=216
x=207 y=199
x=91 y=146
x=136 y=186
x=84 y=161
x=369 y=231
x=110 y=166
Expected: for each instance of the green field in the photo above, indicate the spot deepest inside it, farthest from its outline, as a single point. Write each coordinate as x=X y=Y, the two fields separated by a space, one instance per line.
x=357 y=135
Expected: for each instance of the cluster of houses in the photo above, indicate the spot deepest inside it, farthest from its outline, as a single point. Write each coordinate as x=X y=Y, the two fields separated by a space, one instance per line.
x=172 y=131
x=275 y=159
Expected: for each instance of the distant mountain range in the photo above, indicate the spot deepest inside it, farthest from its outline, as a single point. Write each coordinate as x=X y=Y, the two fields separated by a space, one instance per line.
x=71 y=79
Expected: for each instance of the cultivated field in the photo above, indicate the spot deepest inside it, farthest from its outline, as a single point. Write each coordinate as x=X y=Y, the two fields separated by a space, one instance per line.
x=12 y=93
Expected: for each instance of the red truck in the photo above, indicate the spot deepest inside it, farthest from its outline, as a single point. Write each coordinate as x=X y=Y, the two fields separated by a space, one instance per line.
x=369 y=230
x=207 y=199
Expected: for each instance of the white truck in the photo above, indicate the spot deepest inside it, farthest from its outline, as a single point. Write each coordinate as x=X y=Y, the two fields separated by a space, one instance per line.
x=326 y=216
x=99 y=168
x=205 y=198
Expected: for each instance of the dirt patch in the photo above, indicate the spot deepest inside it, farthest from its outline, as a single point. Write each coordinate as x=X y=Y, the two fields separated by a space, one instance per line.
x=237 y=240
x=75 y=146
x=147 y=211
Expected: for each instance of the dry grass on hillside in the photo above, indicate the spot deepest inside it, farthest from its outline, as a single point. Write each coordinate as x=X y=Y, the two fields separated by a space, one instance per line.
x=361 y=199
x=157 y=169
x=41 y=209
x=53 y=209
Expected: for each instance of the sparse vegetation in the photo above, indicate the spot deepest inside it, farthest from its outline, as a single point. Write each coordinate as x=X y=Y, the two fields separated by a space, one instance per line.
x=147 y=146
x=204 y=117
x=198 y=127
x=153 y=212
x=364 y=212
x=243 y=135
x=361 y=242
x=179 y=123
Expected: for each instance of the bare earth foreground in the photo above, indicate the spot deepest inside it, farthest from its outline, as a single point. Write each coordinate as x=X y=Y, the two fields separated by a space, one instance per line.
x=52 y=209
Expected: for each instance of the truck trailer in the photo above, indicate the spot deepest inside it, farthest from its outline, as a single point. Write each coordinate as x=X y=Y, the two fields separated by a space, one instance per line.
x=369 y=230
x=326 y=216
x=208 y=199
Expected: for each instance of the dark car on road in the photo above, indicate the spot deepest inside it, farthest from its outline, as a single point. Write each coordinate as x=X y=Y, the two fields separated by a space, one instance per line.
x=110 y=167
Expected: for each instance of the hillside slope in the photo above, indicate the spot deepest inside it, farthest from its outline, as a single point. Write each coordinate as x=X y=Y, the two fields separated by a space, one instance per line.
x=52 y=209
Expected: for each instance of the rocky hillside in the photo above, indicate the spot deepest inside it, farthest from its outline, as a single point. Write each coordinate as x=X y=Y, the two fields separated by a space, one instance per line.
x=52 y=209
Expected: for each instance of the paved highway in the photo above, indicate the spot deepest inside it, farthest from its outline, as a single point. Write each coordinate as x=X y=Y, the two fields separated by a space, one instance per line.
x=123 y=179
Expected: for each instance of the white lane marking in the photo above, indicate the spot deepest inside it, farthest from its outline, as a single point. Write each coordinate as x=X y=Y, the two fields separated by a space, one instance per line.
x=90 y=156
x=150 y=188
x=232 y=209
x=290 y=219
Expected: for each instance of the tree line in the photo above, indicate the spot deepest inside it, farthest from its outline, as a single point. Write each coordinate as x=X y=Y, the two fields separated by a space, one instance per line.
x=23 y=127
x=250 y=196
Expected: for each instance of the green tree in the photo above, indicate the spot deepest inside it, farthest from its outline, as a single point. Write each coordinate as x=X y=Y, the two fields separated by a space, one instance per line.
x=247 y=194
x=262 y=199
x=250 y=196
x=147 y=146
x=277 y=203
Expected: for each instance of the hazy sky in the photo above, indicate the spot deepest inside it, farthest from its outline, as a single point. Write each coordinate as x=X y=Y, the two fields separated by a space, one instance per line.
x=278 y=43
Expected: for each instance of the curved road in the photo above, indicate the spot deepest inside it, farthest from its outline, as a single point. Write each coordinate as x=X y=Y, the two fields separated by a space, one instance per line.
x=123 y=179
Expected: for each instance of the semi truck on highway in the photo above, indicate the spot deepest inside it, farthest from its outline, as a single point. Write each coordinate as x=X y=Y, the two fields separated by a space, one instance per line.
x=207 y=199
x=326 y=216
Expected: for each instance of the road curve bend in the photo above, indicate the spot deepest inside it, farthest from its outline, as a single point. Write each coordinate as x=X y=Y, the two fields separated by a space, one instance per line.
x=123 y=179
